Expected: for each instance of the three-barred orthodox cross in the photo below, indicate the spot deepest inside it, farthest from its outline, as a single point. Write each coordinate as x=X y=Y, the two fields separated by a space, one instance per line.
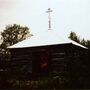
x=49 y=17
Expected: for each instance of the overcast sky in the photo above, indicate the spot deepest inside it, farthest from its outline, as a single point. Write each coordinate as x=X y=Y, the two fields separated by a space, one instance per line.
x=67 y=15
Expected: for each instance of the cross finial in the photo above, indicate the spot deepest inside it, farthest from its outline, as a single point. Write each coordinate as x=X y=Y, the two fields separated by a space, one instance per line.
x=49 y=12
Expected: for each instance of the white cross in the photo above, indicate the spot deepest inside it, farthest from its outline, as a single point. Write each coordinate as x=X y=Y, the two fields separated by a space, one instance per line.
x=49 y=12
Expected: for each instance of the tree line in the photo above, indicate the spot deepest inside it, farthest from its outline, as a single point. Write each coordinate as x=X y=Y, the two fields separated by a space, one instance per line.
x=73 y=36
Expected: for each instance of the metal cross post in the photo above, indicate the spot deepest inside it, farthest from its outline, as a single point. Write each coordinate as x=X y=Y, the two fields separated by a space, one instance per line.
x=49 y=12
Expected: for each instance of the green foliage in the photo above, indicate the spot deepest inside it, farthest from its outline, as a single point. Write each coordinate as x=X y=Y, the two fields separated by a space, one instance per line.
x=11 y=35
x=88 y=43
x=14 y=34
x=83 y=42
x=73 y=36
x=55 y=82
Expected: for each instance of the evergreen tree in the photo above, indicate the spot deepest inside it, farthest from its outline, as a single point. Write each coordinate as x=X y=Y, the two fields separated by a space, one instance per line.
x=83 y=42
x=88 y=43
x=74 y=37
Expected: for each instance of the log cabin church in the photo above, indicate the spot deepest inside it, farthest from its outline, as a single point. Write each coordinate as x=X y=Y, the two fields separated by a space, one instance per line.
x=46 y=54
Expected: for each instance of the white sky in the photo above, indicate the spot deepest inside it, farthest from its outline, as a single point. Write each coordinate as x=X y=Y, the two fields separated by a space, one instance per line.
x=67 y=15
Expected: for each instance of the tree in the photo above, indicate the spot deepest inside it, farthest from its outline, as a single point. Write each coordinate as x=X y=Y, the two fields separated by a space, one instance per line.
x=74 y=37
x=83 y=42
x=88 y=43
x=11 y=35
x=14 y=34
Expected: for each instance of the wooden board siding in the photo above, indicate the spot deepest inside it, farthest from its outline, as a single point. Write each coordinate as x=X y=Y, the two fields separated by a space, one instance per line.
x=59 y=59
